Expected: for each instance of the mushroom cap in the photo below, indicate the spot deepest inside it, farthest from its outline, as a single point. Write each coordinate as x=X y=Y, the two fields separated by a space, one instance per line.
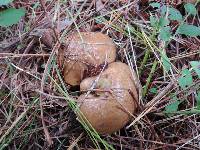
x=85 y=49
x=109 y=106
x=73 y=77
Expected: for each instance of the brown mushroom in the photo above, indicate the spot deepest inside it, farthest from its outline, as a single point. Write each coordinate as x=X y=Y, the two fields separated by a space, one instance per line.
x=85 y=50
x=111 y=102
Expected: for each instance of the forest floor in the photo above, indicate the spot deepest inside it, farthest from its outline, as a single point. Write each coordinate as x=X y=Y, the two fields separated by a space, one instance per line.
x=158 y=39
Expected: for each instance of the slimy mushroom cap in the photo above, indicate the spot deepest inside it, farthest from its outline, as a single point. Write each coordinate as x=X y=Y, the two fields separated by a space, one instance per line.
x=110 y=105
x=85 y=49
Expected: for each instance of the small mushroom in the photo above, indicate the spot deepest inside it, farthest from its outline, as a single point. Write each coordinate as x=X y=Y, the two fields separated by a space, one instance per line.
x=85 y=50
x=109 y=105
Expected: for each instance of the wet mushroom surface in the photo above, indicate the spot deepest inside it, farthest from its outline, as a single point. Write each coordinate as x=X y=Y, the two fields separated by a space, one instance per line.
x=108 y=90
x=112 y=99
x=85 y=51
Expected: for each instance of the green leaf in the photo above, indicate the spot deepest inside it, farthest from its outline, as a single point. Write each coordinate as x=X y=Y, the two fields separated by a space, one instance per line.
x=155 y=5
x=198 y=100
x=163 y=22
x=165 y=33
x=196 y=66
x=174 y=14
x=189 y=30
x=190 y=8
x=10 y=16
x=166 y=62
x=153 y=90
x=173 y=107
x=5 y=2
x=36 y=5
x=163 y=10
x=154 y=21
x=186 y=79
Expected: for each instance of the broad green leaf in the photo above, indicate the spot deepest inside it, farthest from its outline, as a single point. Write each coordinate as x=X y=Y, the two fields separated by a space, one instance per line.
x=10 y=16
x=174 y=14
x=173 y=107
x=166 y=62
x=155 y=5
x=189 y=30
x=165 y=33
x=186 y=79
x=196 y=66
x=190 y=8
x=163 y=22
x=163 y=10
x=198 y=100
x=5 y=2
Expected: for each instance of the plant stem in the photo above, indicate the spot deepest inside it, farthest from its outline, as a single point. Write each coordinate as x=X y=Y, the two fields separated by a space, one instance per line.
x=149 y=78
x=144 y=61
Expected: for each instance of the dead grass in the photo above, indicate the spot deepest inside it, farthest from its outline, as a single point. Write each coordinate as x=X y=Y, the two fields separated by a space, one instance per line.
x=35 y=111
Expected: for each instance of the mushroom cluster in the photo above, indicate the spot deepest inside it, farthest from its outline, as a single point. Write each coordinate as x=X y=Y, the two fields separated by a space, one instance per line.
x=109 y=93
